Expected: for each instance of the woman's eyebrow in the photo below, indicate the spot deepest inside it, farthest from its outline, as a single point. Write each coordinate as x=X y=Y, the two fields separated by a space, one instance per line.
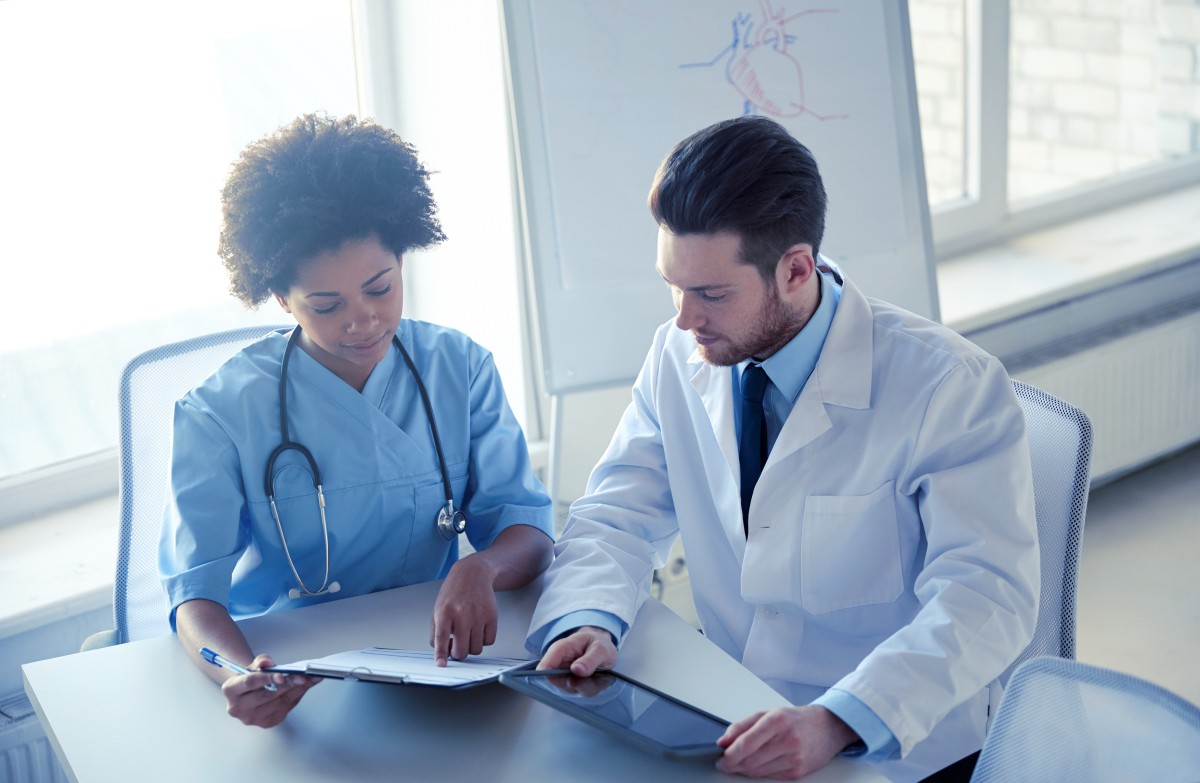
x=335 y=293
x=376 y=277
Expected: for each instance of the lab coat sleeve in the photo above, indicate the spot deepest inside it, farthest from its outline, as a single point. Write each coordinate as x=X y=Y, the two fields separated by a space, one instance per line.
x=623 y=526
x=978 y=586
x=206 y=524
x=501 y=488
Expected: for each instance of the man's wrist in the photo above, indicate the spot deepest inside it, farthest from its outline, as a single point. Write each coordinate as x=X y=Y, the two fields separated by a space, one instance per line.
x=842 y=731
x=596 y=630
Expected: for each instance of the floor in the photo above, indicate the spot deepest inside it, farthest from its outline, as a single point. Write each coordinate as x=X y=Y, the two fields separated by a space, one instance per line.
x=1139 y=584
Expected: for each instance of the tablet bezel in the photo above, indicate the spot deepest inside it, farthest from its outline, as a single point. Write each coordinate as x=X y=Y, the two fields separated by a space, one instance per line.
x=520 y=681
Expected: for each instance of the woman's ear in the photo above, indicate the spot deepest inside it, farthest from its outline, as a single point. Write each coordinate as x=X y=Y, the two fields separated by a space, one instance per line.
x=283 y=302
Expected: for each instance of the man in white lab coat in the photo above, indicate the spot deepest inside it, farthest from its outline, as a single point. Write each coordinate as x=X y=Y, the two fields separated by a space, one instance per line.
x=863 y=538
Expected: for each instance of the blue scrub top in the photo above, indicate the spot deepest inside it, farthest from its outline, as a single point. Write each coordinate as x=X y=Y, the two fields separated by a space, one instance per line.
x=379 y=471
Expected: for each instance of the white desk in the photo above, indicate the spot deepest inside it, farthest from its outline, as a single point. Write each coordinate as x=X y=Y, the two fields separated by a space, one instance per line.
x=142 y=711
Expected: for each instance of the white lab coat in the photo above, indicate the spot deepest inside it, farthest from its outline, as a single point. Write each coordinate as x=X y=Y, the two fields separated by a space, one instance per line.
x=892 y=550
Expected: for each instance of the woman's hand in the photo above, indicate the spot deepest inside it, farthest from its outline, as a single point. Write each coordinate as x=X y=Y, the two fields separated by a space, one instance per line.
x=249 y=700
x=465 y=614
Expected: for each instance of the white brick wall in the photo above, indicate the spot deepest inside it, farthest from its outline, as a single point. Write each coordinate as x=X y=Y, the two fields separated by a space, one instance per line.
x=1097 y=87
x=938 y=54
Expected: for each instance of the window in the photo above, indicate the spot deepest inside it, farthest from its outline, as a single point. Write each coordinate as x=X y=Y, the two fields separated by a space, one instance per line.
x=1036 y=112
x=121 y=120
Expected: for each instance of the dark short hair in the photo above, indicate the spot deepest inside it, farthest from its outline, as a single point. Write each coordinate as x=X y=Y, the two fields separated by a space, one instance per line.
x=310 y=187
x=746 y=176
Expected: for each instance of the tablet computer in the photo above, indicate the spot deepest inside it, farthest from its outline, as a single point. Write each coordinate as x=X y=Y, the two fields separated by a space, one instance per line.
x=627 y=708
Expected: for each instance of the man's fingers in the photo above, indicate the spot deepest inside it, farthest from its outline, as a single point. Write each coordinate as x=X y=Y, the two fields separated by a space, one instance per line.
x=587 y=664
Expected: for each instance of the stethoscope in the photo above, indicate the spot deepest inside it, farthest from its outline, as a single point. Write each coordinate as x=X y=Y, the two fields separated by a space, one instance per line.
x=449 y=521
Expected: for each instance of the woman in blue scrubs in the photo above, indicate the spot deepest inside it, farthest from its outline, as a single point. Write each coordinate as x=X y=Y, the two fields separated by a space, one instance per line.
x=319 y=216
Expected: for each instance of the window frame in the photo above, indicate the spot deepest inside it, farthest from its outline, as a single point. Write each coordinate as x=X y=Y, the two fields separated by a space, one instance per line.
x=81 y=479
x=983 y=216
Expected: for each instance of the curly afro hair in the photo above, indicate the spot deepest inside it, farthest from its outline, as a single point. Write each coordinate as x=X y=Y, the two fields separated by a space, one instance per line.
x=310 y=187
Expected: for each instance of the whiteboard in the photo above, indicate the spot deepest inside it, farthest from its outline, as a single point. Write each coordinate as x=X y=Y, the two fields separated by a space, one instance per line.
x=601 y=90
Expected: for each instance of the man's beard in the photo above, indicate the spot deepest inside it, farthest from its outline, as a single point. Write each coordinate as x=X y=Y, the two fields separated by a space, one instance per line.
x=776 y=326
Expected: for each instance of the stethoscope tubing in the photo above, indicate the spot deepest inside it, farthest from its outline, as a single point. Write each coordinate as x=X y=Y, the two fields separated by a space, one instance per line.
x=449 y=521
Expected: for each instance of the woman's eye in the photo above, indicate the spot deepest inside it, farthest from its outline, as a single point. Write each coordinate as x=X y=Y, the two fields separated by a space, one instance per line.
x=381 y=291
x=712 y=297
x=325 y=310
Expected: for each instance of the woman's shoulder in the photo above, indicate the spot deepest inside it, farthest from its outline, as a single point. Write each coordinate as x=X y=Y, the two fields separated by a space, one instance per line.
x=252 y=371
x=428 y=338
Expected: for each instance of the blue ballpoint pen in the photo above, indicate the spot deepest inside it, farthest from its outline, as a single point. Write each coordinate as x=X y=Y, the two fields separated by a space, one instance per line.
x=225 y=663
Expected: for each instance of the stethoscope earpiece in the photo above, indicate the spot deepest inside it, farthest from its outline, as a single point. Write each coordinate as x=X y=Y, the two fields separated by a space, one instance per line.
x=449 y=522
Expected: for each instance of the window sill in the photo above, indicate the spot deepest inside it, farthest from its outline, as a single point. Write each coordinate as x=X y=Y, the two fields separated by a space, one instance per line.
x=1042 y=269
x=58 y=565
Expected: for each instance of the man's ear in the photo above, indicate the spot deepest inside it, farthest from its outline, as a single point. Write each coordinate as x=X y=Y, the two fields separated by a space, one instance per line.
x=796 y=267
x=283 y=302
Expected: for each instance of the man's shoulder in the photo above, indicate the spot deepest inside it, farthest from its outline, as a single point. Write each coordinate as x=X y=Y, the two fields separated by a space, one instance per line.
x=897 y=329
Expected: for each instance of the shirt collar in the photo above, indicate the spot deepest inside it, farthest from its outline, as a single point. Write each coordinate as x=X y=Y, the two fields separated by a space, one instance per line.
x=790 y=366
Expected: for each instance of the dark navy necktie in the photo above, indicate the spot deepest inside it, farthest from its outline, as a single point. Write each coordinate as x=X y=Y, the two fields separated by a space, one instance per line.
x=752 y=447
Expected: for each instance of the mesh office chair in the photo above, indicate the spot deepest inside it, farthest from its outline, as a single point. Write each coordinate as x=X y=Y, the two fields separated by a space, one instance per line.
x=1066 y=721
x=1060 y=446
x=150 y=385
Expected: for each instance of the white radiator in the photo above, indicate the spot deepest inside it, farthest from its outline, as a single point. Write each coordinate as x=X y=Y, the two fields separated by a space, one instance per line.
x=25 y=753
x=1141 y=390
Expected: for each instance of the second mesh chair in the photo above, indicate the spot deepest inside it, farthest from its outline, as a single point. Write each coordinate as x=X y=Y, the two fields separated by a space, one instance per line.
x=1060 y=447
x=1066 y=721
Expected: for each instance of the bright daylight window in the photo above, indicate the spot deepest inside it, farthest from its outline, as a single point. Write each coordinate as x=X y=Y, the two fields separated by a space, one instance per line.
x=121 y=120
x=1099 y=94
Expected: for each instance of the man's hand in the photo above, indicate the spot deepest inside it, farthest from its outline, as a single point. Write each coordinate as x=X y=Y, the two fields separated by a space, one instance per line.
x=248 y=699
x=783 y=744
x=583 y=651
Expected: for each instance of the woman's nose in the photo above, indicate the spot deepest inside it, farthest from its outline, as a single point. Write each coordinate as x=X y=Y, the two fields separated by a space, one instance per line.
x=362 y=316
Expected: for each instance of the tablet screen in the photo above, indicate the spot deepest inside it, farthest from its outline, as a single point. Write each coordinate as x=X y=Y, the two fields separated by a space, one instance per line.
x=612 y=701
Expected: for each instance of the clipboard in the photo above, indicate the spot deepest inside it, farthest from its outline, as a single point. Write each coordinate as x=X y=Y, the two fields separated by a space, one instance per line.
x=405 y=667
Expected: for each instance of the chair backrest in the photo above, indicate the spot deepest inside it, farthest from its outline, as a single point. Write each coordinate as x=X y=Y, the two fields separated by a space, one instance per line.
x=1066 y=721
x=150 y=386
x=1060 y=447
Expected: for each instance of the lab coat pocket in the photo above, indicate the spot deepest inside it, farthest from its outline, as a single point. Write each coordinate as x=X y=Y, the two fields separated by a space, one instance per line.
x=850 y=551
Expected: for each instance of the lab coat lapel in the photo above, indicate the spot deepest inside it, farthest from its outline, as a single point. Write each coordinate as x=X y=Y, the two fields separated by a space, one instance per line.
x=715 y=387
x=842 y=377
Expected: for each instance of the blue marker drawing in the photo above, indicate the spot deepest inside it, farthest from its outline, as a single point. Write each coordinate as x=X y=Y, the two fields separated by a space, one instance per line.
x=760 y=67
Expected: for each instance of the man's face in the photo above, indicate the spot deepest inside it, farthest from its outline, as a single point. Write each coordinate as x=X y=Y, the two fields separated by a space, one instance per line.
x=731 y=311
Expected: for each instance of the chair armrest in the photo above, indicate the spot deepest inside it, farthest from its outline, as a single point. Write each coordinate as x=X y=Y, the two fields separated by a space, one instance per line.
x=99 y=639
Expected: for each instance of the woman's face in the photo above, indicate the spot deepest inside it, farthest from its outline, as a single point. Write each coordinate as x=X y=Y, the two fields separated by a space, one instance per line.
x=348 y=303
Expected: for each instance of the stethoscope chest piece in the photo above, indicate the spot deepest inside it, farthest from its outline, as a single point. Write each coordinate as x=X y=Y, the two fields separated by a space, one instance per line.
x=450 y=522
